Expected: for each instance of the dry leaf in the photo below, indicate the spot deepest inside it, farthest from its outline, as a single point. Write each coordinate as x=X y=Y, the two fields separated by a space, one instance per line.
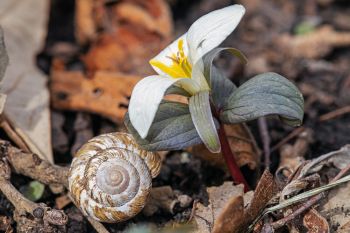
x=264 y=191
x=139 y=30
x=313 y=45
x=242 y=144
x=344 y=229
x=4 y=60
x=23 y=83
x=337 y=206
x=230 y=216
x=87 y=15
x=315 y=223
x=106 y=93
x=205 y=216
x=62 y=201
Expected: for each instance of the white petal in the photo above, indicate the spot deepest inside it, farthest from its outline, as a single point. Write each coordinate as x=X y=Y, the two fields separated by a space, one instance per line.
x=198 y=75
x=146 y=97
x=211 y=29
x=172 y=49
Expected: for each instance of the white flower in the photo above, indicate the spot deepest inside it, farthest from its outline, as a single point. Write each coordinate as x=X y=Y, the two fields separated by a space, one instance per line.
x=181 y=64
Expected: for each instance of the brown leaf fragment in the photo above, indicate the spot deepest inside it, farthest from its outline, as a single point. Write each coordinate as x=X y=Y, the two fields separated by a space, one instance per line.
x=315 y=223
x=230 y=216
x=314 y=45
x=62 y=201
x=264 y=191
x=242 y=144
x=137 y=31
x=336 y=206
x=345 y=228
x=106 y=93
x=205 y=216
x=87 y=13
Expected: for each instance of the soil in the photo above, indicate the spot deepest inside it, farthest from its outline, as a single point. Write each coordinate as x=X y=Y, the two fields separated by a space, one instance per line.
x=253 y=37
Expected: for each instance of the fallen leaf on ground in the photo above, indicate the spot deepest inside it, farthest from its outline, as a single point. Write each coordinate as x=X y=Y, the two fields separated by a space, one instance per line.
x=23 y=83
x=205 y=216
x=137 y=31
x=315 y=44
x=242 y=144
x=62 y=201
x=336 y=206
x=106 y=93
x=315 y=223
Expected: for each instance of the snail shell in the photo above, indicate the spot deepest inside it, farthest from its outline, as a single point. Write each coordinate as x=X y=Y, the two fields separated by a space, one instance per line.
x=111 y=177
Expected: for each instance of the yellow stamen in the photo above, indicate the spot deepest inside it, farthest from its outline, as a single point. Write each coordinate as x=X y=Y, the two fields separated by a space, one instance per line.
x=180 y=66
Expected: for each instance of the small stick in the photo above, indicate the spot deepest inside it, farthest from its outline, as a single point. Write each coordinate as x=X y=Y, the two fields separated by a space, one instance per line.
x=309 y=203
x=23 y=205
x=4 y=124
x=336 y=113
x=31 y=165
x=265 y=137
x=290 y=136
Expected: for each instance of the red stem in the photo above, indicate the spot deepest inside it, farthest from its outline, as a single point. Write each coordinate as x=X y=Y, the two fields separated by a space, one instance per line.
x=236 y=173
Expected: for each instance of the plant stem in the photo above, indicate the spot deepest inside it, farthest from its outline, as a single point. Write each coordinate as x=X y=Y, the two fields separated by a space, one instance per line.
x=230 y=160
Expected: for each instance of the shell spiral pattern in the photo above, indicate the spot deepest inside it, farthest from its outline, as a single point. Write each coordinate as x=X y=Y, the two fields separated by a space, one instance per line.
x=111 y=177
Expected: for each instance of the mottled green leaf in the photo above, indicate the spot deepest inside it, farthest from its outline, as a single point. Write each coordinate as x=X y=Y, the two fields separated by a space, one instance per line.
x=172 y=128
x=221 y=88
x=265 y=94
x=209 y=58
x=203 y=121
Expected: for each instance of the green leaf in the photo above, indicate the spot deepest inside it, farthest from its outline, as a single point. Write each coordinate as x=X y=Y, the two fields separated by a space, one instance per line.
x=221 y=88
x=304 y=28
x=265 y=94
x=203 y=121
x=209 y=58
x=34 y=190
x=172 y=128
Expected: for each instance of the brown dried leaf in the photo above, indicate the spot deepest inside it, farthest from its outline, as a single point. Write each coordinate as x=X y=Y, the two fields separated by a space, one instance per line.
x=205 y=216
x=315 y=223
x=313 y=45
x=230 y=216
x=242 y=144
x=345 y=228
x=337 y=206
x=62 y=201
x=87 y=15
x=139 y=29
x=105 y=93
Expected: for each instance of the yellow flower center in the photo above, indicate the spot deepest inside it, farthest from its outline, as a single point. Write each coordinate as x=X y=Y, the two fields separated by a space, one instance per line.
x=180 y=66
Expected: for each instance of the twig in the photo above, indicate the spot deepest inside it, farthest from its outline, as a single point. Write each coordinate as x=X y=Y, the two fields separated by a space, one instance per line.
x=4 y=124
x=299 y=198
x=31 y=165
x=265 y=137
x=230 y=160
x=336 y=113
x=23 y=205
x=309 y=203
x=290 y=136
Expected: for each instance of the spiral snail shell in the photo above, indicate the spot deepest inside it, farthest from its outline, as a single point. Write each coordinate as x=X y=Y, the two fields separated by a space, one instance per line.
x=110 y=177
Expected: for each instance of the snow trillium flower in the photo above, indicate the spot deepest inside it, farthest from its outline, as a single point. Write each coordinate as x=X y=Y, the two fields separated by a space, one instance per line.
x=181 y=65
